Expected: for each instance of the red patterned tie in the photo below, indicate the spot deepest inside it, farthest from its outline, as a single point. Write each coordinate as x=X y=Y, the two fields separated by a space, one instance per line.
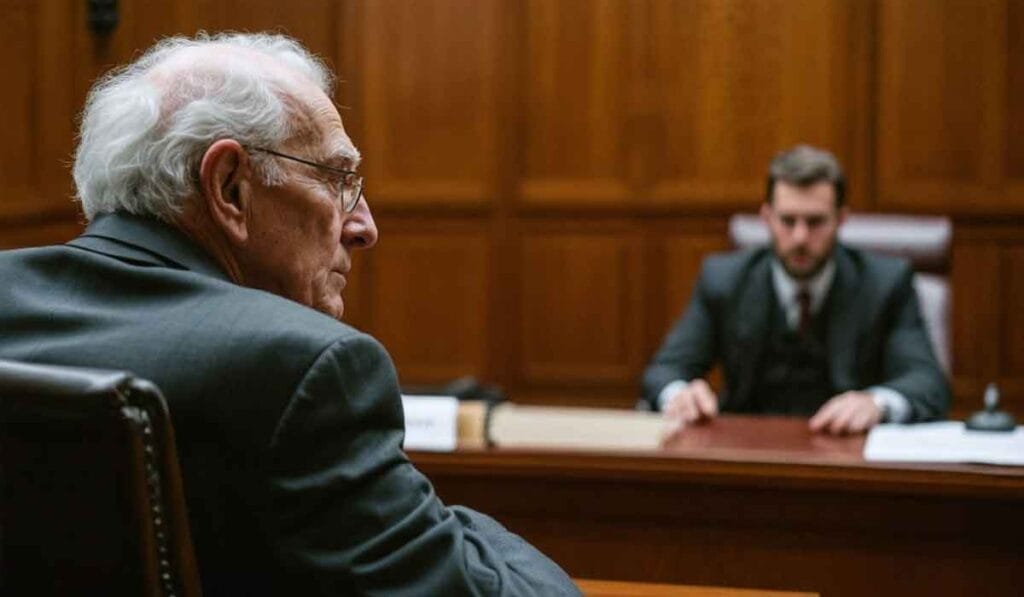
x=803 y=299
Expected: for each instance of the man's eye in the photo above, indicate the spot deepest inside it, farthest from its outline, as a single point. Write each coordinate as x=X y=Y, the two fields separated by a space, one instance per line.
x=342 y=181
x=788 y=221
x=815 y=222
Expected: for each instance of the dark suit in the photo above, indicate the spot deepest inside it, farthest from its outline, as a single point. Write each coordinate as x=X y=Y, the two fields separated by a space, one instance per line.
x=289 y=423
x=875 y=332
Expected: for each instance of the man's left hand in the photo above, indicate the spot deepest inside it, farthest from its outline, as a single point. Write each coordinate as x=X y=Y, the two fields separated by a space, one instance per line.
x=849 y=412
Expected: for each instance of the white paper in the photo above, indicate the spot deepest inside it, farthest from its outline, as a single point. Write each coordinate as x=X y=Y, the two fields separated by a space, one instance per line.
x=946 y=441
x=430 y=423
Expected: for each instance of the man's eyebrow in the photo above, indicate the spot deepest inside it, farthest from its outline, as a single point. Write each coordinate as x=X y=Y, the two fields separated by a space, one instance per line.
x=343 y=157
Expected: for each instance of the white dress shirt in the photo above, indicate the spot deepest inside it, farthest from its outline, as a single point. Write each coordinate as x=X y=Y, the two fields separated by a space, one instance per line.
x=786 y=289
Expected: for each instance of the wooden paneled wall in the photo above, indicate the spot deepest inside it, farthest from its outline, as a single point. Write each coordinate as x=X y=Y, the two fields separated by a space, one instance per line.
x=548 y=174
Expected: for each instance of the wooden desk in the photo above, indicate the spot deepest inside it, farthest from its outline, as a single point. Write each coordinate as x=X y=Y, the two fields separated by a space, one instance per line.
x=754 y=502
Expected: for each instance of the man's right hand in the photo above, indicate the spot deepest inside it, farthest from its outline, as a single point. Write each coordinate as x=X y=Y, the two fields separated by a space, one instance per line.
x=694 y=403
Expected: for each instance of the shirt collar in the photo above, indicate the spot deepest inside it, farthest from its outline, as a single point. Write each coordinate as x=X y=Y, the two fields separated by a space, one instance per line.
x=786 y=286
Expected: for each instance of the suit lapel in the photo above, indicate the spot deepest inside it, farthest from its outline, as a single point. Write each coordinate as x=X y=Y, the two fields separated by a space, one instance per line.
x=844 y=321
x=752 y=309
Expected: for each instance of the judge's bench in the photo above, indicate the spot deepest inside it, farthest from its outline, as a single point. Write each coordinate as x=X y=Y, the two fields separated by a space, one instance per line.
x=752 y=502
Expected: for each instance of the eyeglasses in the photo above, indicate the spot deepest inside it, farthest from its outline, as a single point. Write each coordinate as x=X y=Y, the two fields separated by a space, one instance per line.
x=351 y=182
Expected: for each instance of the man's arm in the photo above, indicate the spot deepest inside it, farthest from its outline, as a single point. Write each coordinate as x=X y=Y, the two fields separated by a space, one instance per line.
x=351 y=515
x=689 y=348
x=913 y=386
x=908 y=364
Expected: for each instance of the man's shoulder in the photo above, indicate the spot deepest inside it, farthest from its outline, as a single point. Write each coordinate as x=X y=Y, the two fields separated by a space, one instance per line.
x=725 y=270
x=192 y=313
x=263 y=318
x=736 y=260
x=15 y=257
x=877 y=267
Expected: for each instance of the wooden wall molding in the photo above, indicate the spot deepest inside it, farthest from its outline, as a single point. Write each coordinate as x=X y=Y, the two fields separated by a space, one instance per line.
x=944 y=71
x=573 y=90
x=427 y=74
x=581 y=305
x=736 y=82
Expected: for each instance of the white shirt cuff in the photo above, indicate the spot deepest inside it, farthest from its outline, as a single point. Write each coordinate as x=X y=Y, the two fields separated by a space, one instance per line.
x=895 y=406
x=669 y=391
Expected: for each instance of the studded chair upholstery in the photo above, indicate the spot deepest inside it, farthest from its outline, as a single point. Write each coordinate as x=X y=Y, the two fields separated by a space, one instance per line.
x=925 y=241
x=92 y=494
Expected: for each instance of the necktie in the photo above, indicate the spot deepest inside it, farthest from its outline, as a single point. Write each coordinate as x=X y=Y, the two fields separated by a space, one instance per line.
x=803 y=300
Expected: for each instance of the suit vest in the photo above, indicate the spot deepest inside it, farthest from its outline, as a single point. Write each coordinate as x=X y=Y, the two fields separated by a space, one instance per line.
x=793 y=375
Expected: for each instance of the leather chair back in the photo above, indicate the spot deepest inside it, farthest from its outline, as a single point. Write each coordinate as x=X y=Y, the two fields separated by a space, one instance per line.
x=925 y=241
x=92 y=493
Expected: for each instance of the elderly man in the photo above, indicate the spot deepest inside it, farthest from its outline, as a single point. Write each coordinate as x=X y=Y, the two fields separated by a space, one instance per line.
x=804 y=327
x=224 y=207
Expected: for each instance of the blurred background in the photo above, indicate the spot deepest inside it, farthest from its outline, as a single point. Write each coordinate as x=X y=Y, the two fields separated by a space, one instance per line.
x=547 y=175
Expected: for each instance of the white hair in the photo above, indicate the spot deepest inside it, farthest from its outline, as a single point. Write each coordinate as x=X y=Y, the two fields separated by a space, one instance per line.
x=147 y=125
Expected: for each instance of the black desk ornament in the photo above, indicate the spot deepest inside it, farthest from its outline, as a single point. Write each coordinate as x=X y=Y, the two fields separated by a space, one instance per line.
x=991 y=419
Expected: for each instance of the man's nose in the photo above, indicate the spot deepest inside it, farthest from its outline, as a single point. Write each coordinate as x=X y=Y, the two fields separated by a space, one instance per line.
x=800 y=231
x=359 y=230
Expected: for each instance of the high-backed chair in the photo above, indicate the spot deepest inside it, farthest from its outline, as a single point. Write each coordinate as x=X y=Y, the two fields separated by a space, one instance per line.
x=92 y=494
x=923 y=240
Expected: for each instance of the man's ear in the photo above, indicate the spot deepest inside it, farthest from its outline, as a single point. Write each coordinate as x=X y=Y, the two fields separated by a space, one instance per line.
x=224 y=188
x=766 y=213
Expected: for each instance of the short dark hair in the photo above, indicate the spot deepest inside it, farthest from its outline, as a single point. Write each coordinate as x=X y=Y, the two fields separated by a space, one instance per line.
x=803 y=166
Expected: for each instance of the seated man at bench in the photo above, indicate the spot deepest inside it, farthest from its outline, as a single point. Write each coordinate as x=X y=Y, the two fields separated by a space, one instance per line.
x=805 y=326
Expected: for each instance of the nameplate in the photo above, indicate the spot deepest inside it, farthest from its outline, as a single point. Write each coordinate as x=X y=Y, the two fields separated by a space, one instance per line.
x=430 y=423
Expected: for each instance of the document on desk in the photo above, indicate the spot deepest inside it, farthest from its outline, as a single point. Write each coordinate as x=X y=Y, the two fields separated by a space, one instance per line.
x=944 y=441
x=554 y=427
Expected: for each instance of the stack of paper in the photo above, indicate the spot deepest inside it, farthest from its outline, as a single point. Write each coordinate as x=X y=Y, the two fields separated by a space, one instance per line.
x=946 y=441
x=513 y=425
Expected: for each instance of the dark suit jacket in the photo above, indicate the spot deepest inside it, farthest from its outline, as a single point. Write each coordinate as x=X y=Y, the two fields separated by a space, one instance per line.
x=289 y=423
x=875 y=332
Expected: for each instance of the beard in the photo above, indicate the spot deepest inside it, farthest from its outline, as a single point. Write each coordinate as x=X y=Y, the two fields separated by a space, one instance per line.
x=801 y=264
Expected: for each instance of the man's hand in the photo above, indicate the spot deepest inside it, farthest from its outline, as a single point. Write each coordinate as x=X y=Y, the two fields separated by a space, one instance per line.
x=694 y=403
x=849 y=412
